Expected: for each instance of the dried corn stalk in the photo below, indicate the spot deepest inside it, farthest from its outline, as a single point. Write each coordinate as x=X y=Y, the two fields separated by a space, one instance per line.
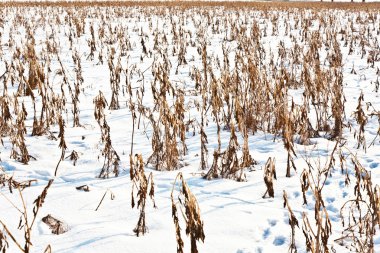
x=3 y=243
x=361 y=120
x=111 y=158
x=62 y=142
x=144 y=187
x=293 y=222
x=25 y=223
x=19 y=149
x=269 y=175
x=194 y=225
x=361 y=215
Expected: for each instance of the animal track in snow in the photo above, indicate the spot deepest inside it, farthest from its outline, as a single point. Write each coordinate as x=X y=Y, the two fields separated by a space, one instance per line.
x=272 y=223
x=332 y=208
x=266 y=233
x=279 y=240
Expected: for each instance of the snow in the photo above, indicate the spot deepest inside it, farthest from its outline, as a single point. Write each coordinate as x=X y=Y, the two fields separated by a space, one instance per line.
x=236 y=217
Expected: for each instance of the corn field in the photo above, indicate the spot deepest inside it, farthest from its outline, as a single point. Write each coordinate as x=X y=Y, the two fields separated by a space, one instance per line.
x=189 y=127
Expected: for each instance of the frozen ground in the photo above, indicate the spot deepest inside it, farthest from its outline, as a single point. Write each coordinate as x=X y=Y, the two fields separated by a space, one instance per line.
x=236 y=217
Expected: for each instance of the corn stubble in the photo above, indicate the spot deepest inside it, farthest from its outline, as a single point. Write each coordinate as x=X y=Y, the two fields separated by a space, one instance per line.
x=57 y=227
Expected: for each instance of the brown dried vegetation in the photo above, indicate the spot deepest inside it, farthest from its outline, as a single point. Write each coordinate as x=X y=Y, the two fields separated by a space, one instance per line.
x=246 y=90
x=26 y=224
x=194 y=224
x=111 y=158
x=361 y=216
x=144 y=187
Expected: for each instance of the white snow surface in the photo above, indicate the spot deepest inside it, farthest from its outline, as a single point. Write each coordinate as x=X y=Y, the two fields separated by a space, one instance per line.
x=236 y=217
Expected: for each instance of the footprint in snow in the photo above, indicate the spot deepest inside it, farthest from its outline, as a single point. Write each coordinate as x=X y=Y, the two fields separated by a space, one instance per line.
x=272 y=223
x=285 y=220
x=310 y=205
x=330 y=200
x=296 y=194
x=332 y=208
x=279 y=240
x=243 y=251
x=374 y=165
x=335 y=218
x=266 y=233
x=7 y=167
x=164 y=186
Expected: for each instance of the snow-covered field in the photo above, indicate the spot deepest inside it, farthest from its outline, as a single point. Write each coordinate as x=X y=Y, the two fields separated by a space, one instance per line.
x=172 y=76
